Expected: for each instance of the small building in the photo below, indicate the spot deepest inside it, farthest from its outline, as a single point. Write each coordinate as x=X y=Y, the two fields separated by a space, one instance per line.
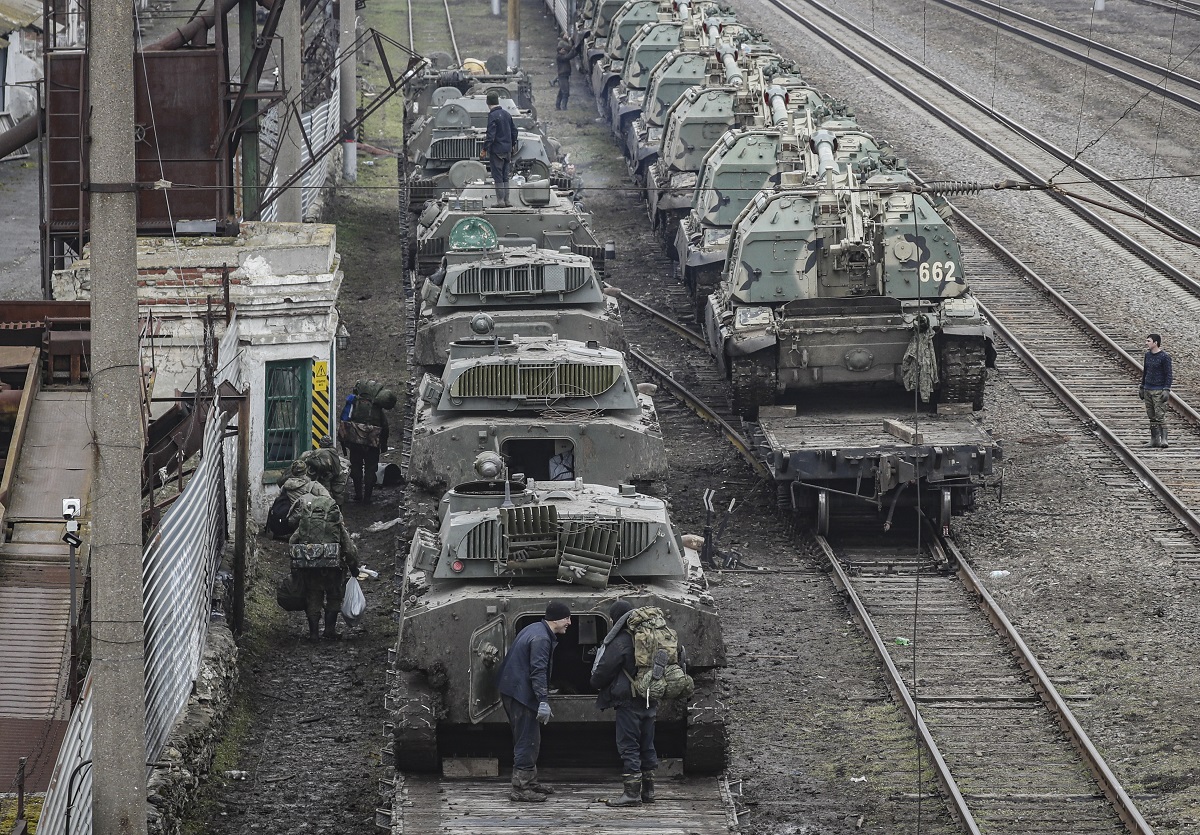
x=20 y=57
x=283 y=281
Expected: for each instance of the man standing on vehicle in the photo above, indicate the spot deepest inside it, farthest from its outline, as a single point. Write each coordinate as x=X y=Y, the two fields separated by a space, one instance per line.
x=498 y=146
x=612 y=675
x=524 y=684
x=1157 y=378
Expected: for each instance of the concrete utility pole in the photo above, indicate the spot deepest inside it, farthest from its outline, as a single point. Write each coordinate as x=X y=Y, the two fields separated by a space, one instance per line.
x=346 y=81
x=247 y=35
x=118 y=663
x=514 y=34
x=287 y=161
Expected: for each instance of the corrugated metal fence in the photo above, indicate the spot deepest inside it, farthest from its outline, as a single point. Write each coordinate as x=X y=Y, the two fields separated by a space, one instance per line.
x=564 y=14
x=321 y=124
x=178 y=571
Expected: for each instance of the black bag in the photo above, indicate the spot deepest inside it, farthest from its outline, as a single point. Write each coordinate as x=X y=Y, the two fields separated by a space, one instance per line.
x=289 y=594
x=277 y=517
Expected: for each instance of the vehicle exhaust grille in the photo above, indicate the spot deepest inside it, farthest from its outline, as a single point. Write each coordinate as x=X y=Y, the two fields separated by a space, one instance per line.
x=635 y=538
x=479 y=542
x=532 y=279
x=455 y=148
x=541 y=381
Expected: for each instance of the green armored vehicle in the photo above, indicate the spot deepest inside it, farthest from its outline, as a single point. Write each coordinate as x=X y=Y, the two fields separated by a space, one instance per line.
x=442 y=82
x=837 y=281
x=649 y=46
x=605 y=72
x=746 y=160
x=541 y=216
x=555 y=409
x=524 y=290
x=503 y=550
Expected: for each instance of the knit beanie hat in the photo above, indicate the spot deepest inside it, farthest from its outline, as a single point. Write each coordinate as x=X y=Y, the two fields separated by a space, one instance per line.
x=557 y=610
x=492 y=100
x=618 y=609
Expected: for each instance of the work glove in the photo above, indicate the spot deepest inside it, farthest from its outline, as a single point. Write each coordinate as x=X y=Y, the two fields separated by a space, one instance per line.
x=544 y=713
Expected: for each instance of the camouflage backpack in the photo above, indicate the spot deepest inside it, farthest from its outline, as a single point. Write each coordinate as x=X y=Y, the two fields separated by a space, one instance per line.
x=656 y=655
x=364 y=401
x=319 y=533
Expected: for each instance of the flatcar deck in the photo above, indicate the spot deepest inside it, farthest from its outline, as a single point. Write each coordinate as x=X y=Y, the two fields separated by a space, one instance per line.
x=440 y=806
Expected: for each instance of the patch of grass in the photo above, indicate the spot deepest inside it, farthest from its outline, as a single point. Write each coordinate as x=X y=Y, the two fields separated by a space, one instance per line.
x=8 y=812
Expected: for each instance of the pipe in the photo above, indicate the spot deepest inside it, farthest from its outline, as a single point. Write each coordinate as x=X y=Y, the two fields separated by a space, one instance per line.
x=824 y=142
x=728 y=56
x=22 y=133
x=777 y=100
x=185 y=34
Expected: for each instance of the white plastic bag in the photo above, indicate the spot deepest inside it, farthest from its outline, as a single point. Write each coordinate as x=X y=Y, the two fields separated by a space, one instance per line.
x=353 y=602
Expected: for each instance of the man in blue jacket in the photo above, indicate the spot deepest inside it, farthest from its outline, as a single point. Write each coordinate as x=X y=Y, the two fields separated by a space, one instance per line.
x=498 y=146
x=1157 y=379
x=524 y=684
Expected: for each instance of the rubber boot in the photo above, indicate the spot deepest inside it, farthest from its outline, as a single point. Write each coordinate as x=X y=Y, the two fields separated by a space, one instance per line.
x=1154 y=437
x=314 y=628
x=358 y=492
x=647 y=786
x=535 y=786
x=331 y=633
x=521 y=790
x=370 y=488
x=633 y=792
x=1162 y=437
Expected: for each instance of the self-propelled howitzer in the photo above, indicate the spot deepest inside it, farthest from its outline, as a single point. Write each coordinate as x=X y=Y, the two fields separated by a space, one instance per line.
x=840 y=282
x=504 y=549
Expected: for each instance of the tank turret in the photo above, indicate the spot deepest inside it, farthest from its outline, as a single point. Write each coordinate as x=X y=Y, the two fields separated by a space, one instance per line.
x=606 y=69
x=650 y=45
x=555 y=409
x=837 y=281
x=541 y=216
x=503 y=549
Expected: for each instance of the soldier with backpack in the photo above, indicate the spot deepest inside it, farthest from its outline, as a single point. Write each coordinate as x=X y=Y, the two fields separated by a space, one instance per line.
x=639 y=663
x=366 y=433
x=325 y=465
x=321 y=553
x=294 y=485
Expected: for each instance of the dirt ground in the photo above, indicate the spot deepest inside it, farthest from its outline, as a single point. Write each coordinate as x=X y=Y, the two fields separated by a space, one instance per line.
x=815 y=737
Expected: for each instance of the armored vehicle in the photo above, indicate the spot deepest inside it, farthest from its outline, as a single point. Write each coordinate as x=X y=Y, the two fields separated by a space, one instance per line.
x=541 y=216
x=446 y=144
x=555 y=409
x=503 y=550
x=771 y=96
x=606 y=70
x=744 y=161
x=839 y=281
x=524 y=290
x=440 y=83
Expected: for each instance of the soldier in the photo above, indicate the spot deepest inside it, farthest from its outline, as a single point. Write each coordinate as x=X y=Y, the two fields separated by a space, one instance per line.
x=524 y=683
x=1157 y=378
x=612 y=674
x=563 y=54
x=325 y=465
x=366 y=433
x=324 y=577
x=499 y=145
x=294 y=485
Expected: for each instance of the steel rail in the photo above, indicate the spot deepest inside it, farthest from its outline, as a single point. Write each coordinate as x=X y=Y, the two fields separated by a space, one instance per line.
x=958 y=804
x=677 y=328
x=693 y=402
x=1178 y=275
x=1054 y=702
x=1166 y=73
x=1183 y=7
x=412 y=41
x=453 y=40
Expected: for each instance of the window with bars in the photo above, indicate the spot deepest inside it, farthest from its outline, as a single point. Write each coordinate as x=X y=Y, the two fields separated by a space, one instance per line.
x=288 y=411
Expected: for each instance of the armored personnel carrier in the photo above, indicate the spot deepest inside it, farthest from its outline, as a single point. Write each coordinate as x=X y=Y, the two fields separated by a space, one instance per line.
x=524 y=290
x=503 y=550
x=771 y=96
x=839 y=281
x=555 y=409
x=541 y=216
x=441 y=82
x=746 y=160
x=606 y=69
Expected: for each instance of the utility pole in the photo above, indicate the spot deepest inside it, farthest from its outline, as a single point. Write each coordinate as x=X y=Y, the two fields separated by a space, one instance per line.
x=247 y=36
x=118 y=658
x=348 y=75
x=287 y=158
x=514 y=34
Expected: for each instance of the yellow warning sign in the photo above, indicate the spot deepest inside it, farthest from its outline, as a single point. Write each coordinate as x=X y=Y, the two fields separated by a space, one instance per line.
x=320 y=402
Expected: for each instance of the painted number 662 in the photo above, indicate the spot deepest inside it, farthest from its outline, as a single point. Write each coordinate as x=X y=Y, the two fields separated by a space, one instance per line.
x=938 y=271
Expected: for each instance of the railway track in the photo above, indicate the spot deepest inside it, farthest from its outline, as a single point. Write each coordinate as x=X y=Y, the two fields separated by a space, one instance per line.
x=1007 y=751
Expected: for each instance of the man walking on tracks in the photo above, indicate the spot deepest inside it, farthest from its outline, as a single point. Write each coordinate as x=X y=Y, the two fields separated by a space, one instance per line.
x=321 y=553
x=524 y=684
x=1157 y=378
x=366 y=433
x=564 y=52
x=325 y=465
x=499 y=146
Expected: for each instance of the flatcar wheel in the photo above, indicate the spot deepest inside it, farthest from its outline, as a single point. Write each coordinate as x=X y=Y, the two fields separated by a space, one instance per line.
x=823 y=512
x=945 y=510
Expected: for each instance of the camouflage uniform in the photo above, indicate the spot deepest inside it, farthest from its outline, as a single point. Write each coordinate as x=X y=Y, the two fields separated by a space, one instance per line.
x=326 y=585
x=325 y=465
x=364 y=459
x=294 y=485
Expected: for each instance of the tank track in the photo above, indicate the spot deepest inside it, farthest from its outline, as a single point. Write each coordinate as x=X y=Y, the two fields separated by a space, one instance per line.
x=754 y=381
x=414 y=733
x=963 y=369
x=706 y=743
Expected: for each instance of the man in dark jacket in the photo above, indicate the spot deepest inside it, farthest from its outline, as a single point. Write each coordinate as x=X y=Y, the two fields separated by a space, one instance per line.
x=499 y=145
x=371 y=399
x=1157 y=379
x=612 y=675
x=563 y=54
x=524 y=683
